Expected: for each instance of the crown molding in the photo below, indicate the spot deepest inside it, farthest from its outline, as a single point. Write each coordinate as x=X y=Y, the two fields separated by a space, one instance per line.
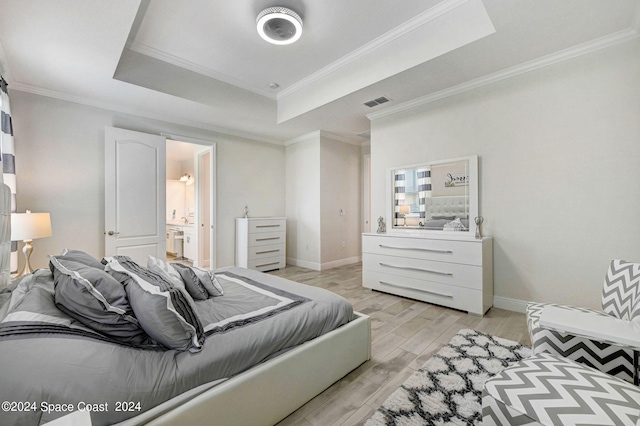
x=399 y=31
x=545 y=61
x=192 y=66
x=340 y=138
x=323 y=133
x=138 y=112
x=303 y=138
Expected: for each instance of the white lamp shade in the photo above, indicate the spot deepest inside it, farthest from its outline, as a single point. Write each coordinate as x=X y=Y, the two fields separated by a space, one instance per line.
x=405 y=210
x=30 y=226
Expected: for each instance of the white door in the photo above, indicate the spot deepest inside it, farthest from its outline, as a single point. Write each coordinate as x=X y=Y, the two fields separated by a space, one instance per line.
x=135 y=169
x=206 y=199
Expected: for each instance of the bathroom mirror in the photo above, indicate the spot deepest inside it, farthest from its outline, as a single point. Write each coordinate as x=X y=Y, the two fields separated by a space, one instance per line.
x=438 y=196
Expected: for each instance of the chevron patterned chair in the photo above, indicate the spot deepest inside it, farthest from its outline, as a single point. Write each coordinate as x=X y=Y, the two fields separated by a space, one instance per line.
x=550 y=390
x=620 y=300
x=580 y=375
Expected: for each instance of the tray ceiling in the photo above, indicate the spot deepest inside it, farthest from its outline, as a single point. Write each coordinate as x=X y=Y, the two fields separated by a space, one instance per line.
x=202 y=64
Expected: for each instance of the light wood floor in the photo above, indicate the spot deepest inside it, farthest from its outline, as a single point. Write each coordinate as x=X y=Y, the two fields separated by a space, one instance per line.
x=405 y=334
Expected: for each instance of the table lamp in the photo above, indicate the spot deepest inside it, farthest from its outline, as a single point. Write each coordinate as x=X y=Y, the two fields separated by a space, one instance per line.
x=28 y=227
x=404 y=211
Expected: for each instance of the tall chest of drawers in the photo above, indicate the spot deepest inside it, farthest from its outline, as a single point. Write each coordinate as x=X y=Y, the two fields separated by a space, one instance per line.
x=455 y=272
x=261 y=243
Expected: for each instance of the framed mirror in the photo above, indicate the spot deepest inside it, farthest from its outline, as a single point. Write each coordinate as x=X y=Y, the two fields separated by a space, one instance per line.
x=438 y=196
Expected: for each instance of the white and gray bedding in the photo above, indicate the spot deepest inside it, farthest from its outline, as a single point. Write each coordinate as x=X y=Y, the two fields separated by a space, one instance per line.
x=52 y=363
x=440 y=223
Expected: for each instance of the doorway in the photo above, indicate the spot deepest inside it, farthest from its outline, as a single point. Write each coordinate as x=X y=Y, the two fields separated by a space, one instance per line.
x=190 y=206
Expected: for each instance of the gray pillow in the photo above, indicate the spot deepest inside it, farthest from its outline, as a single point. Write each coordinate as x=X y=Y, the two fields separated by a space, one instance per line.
x=435 y=224
x=164 y=311
x=166 y=270
x=209 y=281
x=191 y=282
x=442 y=217
x=96 y=299
x=80 y=257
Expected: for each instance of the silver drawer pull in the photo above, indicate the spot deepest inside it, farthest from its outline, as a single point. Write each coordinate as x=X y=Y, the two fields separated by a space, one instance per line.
x=267 y=264
x=417 y=289
x=267 y=239
x=449 y=274
x=267 y=226
x=268 y=251
x=417 y=249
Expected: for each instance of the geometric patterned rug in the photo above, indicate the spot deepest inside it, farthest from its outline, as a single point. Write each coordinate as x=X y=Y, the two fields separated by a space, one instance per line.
x=448 y=387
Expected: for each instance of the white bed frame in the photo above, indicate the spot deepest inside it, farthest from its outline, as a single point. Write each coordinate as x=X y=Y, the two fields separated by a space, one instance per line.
x=271 y=391
x=262 y=395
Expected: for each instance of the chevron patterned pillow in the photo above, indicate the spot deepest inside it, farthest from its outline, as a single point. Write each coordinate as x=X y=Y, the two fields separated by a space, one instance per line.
x=549 y=390
x=621 y=290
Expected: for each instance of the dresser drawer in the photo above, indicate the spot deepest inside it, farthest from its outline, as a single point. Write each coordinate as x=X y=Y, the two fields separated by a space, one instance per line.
x=267 y=264
x=469 y=276
x=267 y=225
x=264 y=251
x=266 y=238
x=440 y=294
x=465 y=252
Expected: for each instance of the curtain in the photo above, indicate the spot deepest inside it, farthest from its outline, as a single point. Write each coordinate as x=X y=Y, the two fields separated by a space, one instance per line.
x=398 y=193
x=7 y=164
x=424 y=189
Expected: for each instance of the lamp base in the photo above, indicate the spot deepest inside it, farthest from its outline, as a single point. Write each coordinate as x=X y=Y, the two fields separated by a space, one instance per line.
x=27 y=249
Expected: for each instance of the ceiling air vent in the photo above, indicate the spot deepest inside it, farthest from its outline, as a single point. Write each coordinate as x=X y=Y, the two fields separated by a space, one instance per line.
x=377 y=101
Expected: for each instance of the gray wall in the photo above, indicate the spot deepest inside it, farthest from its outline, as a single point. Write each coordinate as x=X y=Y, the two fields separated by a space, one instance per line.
x=303 y=203
x=323 y=178
x=340 y=177
x=559 y=156
x=60 y=169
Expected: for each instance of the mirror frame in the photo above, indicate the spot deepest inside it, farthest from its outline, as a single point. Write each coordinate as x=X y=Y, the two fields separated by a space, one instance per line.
x=474 y=198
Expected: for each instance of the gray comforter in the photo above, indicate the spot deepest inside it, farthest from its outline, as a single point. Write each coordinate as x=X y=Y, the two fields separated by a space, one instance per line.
x=52 y=364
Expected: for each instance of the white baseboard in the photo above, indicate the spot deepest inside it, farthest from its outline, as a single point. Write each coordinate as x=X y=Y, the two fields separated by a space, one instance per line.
x=507 y=304
x=323 y=266
x=304 y=264
x=341 y=262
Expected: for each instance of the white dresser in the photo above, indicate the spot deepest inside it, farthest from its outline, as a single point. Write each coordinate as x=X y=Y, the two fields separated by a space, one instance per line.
x=447 y=271
x=261 y=243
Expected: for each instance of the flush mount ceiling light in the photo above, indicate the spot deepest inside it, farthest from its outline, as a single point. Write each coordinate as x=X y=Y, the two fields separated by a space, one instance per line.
x=279 y=25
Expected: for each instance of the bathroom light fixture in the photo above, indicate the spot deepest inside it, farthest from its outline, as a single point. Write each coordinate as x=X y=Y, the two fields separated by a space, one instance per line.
x=279 y=25
x=186 y=178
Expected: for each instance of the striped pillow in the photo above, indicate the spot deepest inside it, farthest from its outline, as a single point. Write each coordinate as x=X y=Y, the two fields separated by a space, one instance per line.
x=165 y=312
x=200 y=283
x=191 y=282
x=96 y=299
x=209 y=281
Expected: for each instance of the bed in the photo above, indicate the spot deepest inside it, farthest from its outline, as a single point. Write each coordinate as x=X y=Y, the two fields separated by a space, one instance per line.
x=442 y=213
x=264 y=336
